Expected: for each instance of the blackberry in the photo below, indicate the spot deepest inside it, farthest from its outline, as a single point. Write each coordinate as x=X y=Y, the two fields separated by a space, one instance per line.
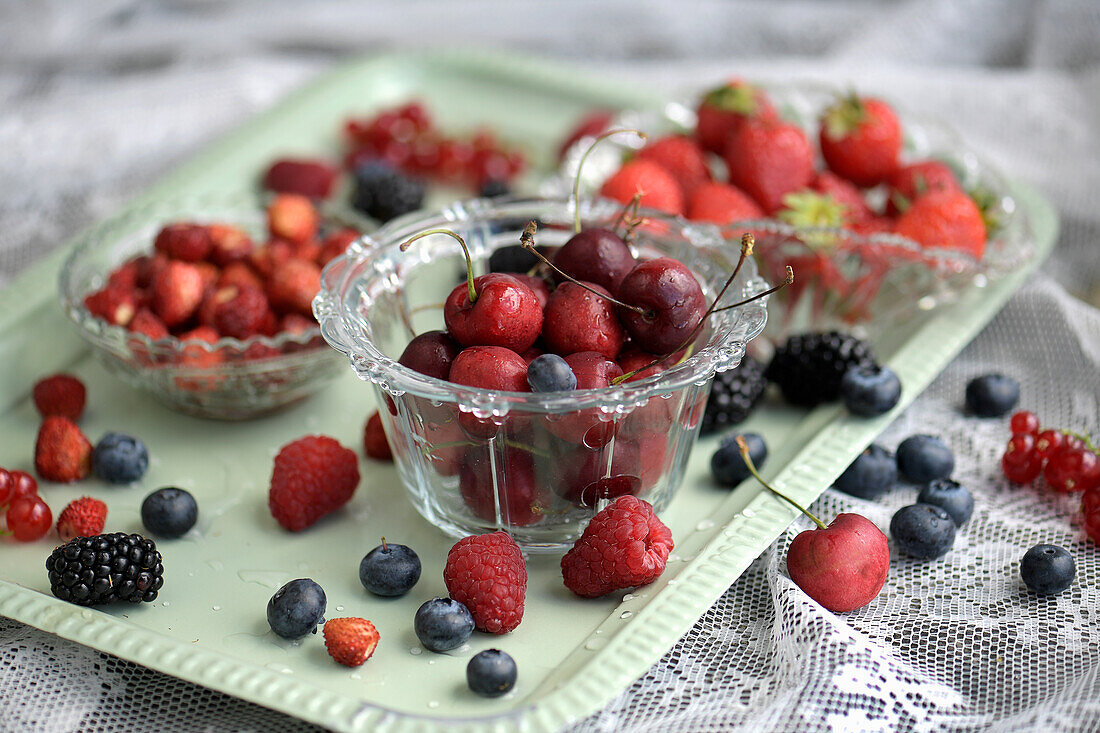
x=384 y=193
x=90 y=571
x=734 y=395
x=493 y=188
x=809 y=367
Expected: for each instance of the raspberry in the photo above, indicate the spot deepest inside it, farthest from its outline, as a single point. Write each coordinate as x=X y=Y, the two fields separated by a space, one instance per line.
x=240 y=312
x=293 y=285
x=61 y=395
x=62 y=453
x=313 y=178
x=113 y=304
x=84 y=517
x=374 y=439
x=487 y=574
x=624 y=546
x=186 y=242
x=177 y=292
x=293 y=218
x=312 y=477
x=350 y=641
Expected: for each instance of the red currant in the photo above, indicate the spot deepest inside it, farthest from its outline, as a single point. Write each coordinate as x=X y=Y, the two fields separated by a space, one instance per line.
x=1049 y=442
x=1021 y=462
x=15 y=485
x=454 y=160
x=416 y=113
x=1090 y=513
x=1073 y=469
x=1024 y=422
x=29 y=518
x=1090 y=500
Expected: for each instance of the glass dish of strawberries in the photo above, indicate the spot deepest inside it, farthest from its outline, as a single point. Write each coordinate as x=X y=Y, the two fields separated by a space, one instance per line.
x=882 y=215
x=205 y=302
x=561 y=364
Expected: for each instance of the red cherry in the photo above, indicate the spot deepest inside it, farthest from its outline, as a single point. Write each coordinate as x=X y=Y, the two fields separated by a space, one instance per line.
x=1048 y=443
x=672 y=301
x=517 y=497
x=842 y=567
x=593 y=371
x=537 y=284
x=583 y=478
x=505 y=313
x=578 y=320
x=29 y=518
x=431 y=353
x=488 y=367
x=1024 y=422
x=597 y=256
x=1073 y=469
x=1021 y=463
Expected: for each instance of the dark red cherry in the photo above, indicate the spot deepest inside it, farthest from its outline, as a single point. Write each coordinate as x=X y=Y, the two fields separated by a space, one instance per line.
x=488 y=367
x=593 y=371
x=431 y=353
x=537 y=284
x=520 y=496
x=632 y=358
x=506 y=313
x=672 y=300
x=584 y=477
x=597 y=256
x=578 y=320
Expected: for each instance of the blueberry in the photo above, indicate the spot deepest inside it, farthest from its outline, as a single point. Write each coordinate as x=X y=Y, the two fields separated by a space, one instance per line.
x=872 y=473
x=951 y=496
x=550 y=373
x=442 y=624
x=729 y=467
x=922 y=458
x=992 y=395
x=1047 y=569
x=120 y=459
x=296 y=609
x=923 y=530
x=491 y=673
x=169 y=512
x=389 y=570
x=870 y=390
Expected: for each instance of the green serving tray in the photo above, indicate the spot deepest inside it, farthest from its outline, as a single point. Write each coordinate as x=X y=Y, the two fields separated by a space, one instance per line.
x=208 y=625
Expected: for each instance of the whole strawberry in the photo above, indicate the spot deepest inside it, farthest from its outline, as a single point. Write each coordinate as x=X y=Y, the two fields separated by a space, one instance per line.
x=84 y=517
x=947 y=219
x=843 y=192
x=184 y=241
x=312 y=477
x=910 y=182
x=293 y=218
x=487 y=574
x=682 y=157
x=62 y=453
x=721 y=203
x=724 y=109
x=60 y=394
x=624 y=546
x=658 y=187
x=769 y=158
x=861 y=139
x=114 y=304
x=350 y=641
x=292 y=286
x=177 y=291
x=305 y=177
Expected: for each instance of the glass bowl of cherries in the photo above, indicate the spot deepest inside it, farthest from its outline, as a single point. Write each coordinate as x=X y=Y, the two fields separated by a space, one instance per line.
x=534 y=360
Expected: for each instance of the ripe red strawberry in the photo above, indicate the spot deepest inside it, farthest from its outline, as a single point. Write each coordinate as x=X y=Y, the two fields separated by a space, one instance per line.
x=60 y=394
x=84 y=517
x=305 y=177
x=62 y=453
x=240 y=312
x=624 y=546
x=910 y=182
x=721 y=203
x=184 y=241
x=591 y=125
x=658 y=187
x=312 y=477
x=112 y=304
x=334 y=244
x=487 y=574
x=845 y=194
x=861 y=139
x=350 y=641
x=177 y=292
x=682 y=157
x=723 y=110
x=147 y=322
x=292 y=286
x=239 y=274
x=947 y=220
x=293 y=218
x=374 y=439
x=769 y=158
x=229 y=244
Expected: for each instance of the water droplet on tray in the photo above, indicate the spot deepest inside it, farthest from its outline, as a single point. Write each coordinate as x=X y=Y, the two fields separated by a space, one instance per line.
x=416 y=650
x=166 y=603
x=356 y=676
x=216 y=564
x=266 y=578
x=215 y=608
x=433 y=703
x=705 y=524
x=339 y=608
x=595 y=644
x=629 y=597
x=626 y=614
x=749 y=513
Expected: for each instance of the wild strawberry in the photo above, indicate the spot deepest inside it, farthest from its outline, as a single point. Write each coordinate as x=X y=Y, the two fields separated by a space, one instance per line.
x=209 y=274
x=296 y=323
x=487 y=574
x=591 y=125
x=62 y=453
x=146 y=322
x=658 y=187
x=682 y=157
x=292 y=286
x=721 y=203
x=197 y=357
x=125 y=276
x=334 y=245
x=910 y=182
x=312 y=477
x=861 y=139
x=177 y=292
x=240 y=312
x=769 y=158
x=83 y=517
x=723 y=109
x=292 y=218
x=375 y=444
x=184 y=241
x=350 y=641
x=230 y=244
x=60 y=394
x=310 y=250
x=945 y=220
x=305 y=177
x=265 y=258
x=845 y=194
x=112 y=304
x=239 y=274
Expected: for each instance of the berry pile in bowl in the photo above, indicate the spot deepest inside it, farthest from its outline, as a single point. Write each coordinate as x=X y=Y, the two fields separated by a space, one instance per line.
x=527 y=401
x=205 y=302
x=877 y=211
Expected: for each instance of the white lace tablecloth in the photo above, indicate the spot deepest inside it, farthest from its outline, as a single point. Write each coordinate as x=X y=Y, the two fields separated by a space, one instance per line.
x=98 y=99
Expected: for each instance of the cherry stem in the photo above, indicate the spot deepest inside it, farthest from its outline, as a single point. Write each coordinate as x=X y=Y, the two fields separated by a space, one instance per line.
x=1084 y=438
x=527 y=239
x=787 y=281
x=744 y=448
x=630 y=207
x=580 y=167
x=469 y=261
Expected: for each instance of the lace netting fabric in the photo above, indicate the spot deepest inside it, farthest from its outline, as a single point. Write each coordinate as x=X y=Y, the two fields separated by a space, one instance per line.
x=91 y=110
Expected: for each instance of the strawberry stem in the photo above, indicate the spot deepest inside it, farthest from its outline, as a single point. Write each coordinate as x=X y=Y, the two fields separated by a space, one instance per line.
x=744 y=448
x=465 y=250
x=580 y=167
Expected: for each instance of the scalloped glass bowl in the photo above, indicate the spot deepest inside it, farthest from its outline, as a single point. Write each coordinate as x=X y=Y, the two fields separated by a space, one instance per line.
x=535 y=465
x=842 y=277
x=229 y=379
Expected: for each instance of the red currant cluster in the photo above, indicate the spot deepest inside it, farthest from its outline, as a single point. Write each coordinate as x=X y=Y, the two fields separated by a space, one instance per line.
x=404 y=138
x=28 y=517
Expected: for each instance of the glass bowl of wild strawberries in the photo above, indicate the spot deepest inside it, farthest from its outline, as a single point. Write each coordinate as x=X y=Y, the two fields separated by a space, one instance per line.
x=522 y=400
x=204 y=301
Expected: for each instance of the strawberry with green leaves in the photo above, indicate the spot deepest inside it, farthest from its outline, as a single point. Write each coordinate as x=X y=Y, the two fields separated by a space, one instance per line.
x=945 y=219
x=723 y=110
x=768 y=159
x=861 y=139
x=910 y=182
x=658 y=187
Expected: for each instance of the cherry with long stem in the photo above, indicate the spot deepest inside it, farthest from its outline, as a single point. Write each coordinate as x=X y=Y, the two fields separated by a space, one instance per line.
x=580 y=166
x=469 y=260
x=744 y=448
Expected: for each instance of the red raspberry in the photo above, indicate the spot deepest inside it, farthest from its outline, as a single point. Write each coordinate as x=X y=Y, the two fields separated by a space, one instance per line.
x=293 y=285
x=84 y=517
x=183 y=241
x=240 y=312
x=177 y=292
x=230 y=244
x=350 y=641
x=60 y=394
x=147 y=322
x=374 y=439
x=488 y=575
x=292 y=218
x=62 y=453
x=721 y=203
x=312 y=477
x=624 y=546
x=112 y=304
x=682 y=157
x=658 y=187
x=313 y=178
